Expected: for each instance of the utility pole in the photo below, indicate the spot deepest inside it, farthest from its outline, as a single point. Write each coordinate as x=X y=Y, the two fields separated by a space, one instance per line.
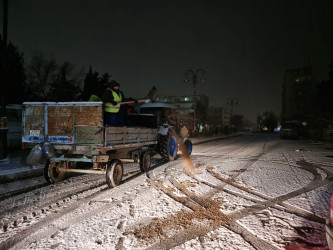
x=3 y=78
x=194 y=74
x=231 y=102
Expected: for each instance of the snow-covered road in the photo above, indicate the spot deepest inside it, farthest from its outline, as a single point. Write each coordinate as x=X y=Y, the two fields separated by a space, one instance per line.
x=249 y=192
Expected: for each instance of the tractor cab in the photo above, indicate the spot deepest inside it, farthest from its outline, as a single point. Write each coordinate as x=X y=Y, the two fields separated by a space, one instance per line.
x=165 y=113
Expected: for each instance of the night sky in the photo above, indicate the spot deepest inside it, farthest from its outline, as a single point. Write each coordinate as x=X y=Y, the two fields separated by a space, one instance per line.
x=244 y=46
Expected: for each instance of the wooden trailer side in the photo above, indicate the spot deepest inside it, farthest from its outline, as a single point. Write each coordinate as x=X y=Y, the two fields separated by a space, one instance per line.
x=63 y=122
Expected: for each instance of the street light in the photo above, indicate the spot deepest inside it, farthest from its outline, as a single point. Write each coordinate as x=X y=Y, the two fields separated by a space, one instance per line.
x=194 y=75
x=3 y=119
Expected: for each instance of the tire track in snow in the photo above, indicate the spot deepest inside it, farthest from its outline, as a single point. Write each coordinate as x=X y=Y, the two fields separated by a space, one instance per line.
x=25 y=233
x=203 y=208
x=61 y=204
x=28 y=236
x=277 y=202
x=208 y=209
x=42 y=205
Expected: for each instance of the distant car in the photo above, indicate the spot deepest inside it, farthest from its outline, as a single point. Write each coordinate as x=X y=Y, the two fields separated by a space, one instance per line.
x=255 y=130
x=289 y=129
x=329 y=227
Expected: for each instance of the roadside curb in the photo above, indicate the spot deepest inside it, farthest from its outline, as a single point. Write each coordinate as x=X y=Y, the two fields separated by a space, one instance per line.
x=214 y=139
x=21 y=175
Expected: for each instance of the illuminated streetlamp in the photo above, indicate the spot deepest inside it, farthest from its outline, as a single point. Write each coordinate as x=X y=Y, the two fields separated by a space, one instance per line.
x=194 y=79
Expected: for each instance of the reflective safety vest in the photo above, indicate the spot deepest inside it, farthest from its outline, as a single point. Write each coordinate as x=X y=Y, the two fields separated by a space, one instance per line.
x=108 y=107
x=94 y=98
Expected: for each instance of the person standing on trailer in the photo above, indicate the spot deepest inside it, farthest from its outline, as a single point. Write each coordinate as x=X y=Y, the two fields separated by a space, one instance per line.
x=97 y=93
x=94 y=98
x=112 y=98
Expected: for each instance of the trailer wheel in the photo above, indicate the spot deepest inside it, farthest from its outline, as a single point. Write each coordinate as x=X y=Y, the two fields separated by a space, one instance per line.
x=145 y=161
x=168 y=146
x=114 y=173
x=52 y=173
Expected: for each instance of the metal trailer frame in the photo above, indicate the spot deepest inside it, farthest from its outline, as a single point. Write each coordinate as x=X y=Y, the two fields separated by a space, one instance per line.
x=76 y=138
x=103 y=163
x=106 y=164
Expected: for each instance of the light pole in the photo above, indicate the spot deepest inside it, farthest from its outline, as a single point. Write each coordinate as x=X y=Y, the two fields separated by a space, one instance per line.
x=194 y=74
x=3 y=118
x=231 y=102
x=194 y=79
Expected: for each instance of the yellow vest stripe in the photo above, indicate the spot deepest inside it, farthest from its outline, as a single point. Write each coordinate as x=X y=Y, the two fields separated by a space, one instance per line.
x=108 y=107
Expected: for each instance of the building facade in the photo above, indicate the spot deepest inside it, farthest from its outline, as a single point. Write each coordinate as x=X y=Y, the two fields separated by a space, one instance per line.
x=298 y=94
x=192 y=110
x=194 y=113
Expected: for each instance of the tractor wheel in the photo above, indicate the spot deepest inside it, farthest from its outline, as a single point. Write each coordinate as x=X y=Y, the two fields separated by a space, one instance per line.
x=114 y=173
x=52 y=173
x=188 y=145
x=145 y=161
x=168 y=146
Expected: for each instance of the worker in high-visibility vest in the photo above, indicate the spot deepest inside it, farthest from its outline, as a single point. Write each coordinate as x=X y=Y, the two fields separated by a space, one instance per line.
x=111 y=98
x=94 y=98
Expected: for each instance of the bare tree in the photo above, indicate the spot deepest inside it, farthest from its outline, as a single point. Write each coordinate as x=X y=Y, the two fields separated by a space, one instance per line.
x=47 y=80
x=41 y=74
x=66 y=85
